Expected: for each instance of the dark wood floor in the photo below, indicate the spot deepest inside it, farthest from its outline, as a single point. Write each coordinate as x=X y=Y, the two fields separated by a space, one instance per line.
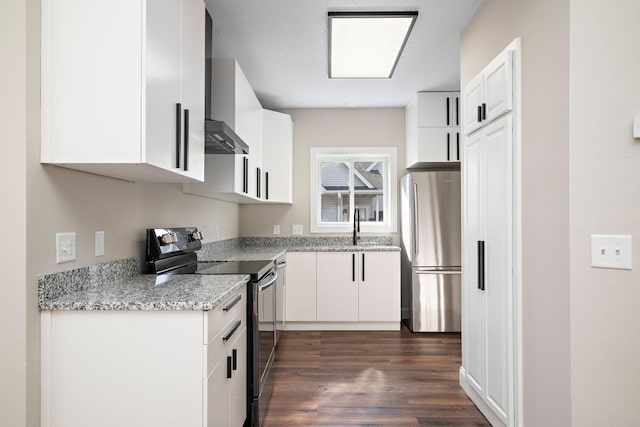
x=369 y=379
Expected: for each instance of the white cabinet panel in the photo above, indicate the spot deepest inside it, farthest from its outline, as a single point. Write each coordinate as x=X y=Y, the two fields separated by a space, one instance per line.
x=488 y=286
x=301 y=287
x=277 y=157
x=490 y=94
x=379 y=290
x=438 y=109
x=432 y=129
x=111 y=82
x=338 y=280
x=358 y=286
x=238 y=386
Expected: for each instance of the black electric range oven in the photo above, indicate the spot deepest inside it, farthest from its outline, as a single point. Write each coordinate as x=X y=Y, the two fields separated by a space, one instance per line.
x=173 y=251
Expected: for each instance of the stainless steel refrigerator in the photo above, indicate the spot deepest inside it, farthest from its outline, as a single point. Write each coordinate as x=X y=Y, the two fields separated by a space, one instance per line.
x=431 y=255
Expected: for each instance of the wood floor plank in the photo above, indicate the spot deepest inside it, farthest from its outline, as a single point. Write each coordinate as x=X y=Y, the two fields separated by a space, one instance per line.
x=391 y=378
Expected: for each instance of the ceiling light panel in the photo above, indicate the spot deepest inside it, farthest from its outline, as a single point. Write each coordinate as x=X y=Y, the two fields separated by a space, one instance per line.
x=367 y=44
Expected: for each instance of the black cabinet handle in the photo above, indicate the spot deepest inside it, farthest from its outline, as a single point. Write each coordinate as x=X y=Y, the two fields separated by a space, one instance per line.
x=363 y=266
x=457 y=111
x=484 y=111
x=234 y=354
x=458 y=145
x=231 y=330
x=258 y=172
x=266 y=183
x=244 y=174
x=231 y=302
x=448 y=108
x=479 y=113
x=178 y=132
x=481 y=265
x=448 y=146
x=229 y=367
x=353 y=267
x=186 y=140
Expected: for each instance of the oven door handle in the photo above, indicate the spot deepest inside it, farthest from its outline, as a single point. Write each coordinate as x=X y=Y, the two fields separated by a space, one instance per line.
x=268 y=284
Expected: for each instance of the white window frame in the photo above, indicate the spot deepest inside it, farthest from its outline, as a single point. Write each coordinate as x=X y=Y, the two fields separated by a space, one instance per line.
x=387 y=155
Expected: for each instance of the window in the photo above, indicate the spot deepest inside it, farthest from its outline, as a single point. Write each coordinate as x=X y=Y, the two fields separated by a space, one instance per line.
x=346 y=179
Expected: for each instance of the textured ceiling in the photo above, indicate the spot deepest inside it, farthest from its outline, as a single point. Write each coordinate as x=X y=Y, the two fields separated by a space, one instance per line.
x=281 y=45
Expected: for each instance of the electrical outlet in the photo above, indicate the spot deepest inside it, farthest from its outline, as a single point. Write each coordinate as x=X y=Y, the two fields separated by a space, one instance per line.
x=297 y=230
x=65 y=247
x=99 y=243
x=276 y=229
x=611 y=251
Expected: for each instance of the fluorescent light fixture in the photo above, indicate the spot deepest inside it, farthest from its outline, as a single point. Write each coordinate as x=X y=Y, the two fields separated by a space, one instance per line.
x=367 y=45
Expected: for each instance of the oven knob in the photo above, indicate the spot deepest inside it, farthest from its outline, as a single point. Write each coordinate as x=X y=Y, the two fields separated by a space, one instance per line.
x=196 y=235
x=169 y=238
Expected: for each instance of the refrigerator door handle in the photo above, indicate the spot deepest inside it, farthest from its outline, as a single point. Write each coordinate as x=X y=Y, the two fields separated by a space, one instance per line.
x=449 y=272
x=416 y=249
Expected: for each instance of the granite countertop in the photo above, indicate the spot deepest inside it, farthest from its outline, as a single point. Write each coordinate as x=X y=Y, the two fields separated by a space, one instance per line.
x=254 y=253
x=109 y=286
x=344 y=248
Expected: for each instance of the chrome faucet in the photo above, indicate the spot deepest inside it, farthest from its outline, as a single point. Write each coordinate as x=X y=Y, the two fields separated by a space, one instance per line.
x=356 y=226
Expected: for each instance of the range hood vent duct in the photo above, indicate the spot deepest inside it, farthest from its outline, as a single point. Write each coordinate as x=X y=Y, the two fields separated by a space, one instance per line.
x=219 y=138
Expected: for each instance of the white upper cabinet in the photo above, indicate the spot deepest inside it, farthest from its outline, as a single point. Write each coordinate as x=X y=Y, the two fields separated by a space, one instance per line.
x=490 y=94
x=122 y=88
x=277 y=157
x=432 y=129
x=235 y=178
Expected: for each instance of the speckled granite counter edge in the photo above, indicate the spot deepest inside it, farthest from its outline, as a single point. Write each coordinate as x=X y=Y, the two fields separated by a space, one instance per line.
x=56 y=285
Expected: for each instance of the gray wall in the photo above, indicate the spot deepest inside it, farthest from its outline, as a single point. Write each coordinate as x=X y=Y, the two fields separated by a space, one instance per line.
x=605 y=199
x=543 y=26
x=13 y=180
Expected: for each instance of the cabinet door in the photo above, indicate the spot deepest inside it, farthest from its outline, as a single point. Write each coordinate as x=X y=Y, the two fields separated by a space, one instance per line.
x=379 y=290
x=337 y=289
x=218 y=387
x=92 y=81
x=301 y=287
x=498 y=263
x=192 y=86
x=473 y=304
x=162 y=68
x=498 y=86
x=278 y=157
x=436 y=144
x=238 y=384
x=455 y=146
x=435 y=109
x=472 y=100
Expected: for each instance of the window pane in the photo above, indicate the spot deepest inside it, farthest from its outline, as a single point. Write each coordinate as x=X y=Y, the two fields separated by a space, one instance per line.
x=334 y=192
x=368 y=183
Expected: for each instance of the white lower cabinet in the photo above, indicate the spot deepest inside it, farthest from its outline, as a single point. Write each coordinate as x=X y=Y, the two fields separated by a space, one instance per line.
x=144 y=368
x=343 y=290
x=300 y=303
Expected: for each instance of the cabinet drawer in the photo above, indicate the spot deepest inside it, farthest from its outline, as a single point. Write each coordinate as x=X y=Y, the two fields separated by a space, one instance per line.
x=222 y=344
x=215 y=320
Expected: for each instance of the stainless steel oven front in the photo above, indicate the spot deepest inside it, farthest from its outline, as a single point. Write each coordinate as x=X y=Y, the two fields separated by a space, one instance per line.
x=263 y=325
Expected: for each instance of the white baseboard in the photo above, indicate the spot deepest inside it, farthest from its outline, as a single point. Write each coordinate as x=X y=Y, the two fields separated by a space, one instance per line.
x=342 y=326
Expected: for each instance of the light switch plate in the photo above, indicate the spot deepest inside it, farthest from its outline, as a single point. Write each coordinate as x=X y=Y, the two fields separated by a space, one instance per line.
x=636 y=126
x=297 y=230
x=276 y=229
x=99 y=243
x=65 y=247
x=611 y=251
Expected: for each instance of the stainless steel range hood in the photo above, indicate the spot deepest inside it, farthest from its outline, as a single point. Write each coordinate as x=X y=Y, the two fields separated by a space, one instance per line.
x=219 y=138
